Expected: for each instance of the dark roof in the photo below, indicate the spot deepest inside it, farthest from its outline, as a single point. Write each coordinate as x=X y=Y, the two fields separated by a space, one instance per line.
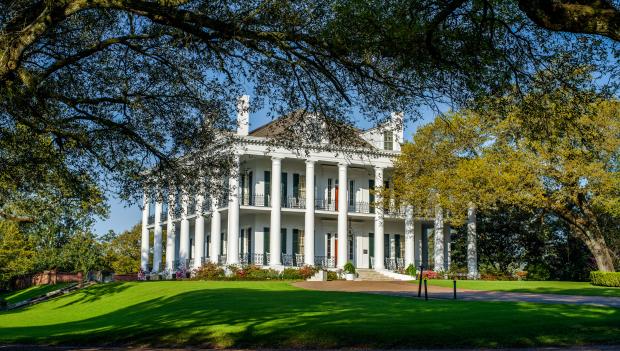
x=299 y=125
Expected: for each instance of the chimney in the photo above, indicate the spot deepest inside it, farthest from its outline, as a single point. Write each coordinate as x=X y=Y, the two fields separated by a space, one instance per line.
x=243 y=115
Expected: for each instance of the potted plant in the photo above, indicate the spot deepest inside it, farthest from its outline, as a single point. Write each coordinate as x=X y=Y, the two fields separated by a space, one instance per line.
x=349 y=270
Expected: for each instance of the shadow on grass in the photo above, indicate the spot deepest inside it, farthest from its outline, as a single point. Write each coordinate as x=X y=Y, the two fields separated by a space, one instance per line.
x=248 y=317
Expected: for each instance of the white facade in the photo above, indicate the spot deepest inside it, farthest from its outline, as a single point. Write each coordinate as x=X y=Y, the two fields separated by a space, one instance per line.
x=283 y=209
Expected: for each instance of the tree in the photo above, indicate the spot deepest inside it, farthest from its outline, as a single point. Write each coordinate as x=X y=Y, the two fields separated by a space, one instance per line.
x=83 y=253
x=118 y=87
x=15 y=252
x=555 y=151
x=123 y=250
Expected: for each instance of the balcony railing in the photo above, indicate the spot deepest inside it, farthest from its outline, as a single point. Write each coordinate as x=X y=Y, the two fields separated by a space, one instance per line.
x=393 y=263
x=294 y=202
x=360 y=207
x=325 y=261
x=396 y=211
x=324 y=205
x=258 y=200
x=293 y=260
x=221 y=260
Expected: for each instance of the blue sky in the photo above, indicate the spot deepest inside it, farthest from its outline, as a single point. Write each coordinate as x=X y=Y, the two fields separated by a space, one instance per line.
x=123 y=216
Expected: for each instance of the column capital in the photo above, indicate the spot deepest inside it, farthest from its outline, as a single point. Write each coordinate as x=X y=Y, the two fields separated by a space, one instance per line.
x=310 y=162
x=276 y=158
x=343 y=164
x=379 y=168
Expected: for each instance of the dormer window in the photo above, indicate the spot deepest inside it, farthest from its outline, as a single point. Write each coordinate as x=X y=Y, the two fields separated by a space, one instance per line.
x=388 y=140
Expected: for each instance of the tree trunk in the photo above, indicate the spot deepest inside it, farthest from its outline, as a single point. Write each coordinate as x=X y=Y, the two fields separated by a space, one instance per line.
x=595 y=242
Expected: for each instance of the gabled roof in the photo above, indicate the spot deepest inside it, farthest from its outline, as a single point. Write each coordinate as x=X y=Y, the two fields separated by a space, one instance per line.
x=299 y=126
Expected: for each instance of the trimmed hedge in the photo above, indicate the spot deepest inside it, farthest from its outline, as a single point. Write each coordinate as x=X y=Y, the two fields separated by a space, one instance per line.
x=611 y=279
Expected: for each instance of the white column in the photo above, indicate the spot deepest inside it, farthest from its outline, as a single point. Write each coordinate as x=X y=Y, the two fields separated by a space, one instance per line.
x=274 y=241
x=144 y=240
x=309 y=225
x=439 y=240
x=171 y=234
x=342 y=216
x=379 y=220
x=409 y=236
x=184 y=245
x=447 y=231
x=216 y=230
x=157 y=238
x=232 y=256
x=472 y=252
x=199 y=232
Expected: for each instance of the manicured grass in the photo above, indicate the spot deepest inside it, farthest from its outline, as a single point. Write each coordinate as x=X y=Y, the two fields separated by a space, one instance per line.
x=539 y=287
x=276 y=314
x=28 y=293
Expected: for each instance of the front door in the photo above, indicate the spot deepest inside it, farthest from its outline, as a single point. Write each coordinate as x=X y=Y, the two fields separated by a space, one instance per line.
x=362 y=250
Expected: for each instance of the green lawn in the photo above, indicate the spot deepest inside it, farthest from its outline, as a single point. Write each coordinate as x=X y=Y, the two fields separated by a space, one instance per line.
x=540 y=287
x=276 y=314
x=28 y=293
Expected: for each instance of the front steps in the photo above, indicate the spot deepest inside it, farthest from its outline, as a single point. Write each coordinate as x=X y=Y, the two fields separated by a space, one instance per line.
x=371 y=275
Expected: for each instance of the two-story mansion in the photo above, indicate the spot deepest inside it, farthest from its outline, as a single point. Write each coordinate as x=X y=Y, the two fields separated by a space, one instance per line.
x=283 y=209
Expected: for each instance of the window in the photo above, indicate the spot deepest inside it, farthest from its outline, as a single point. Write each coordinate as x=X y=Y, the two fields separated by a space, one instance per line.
x=329 y=191
x=298 y=241
x=388 y=140
x=249 y=248
x=242 y=242
x=371 y=239
x=267 y=187
x=284 y=187
x=351 y=193
x=328 y=252
x=296 y=185
x=266 y=240
x=191 y=251
x=283 y=240
x=397 y=246
x=386 y=245
x=371 y=195
x=350 y=248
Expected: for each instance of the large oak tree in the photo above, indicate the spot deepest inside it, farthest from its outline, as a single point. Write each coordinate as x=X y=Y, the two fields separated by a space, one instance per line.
x=115 y=87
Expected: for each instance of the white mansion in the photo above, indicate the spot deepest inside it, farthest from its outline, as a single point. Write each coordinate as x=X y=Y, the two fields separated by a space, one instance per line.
x=287 y=210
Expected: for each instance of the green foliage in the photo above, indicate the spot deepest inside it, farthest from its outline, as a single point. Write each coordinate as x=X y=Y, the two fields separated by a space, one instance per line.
x=349 y=268
x=331 y=275
x=411 y=270
x=302 y=273
x=209 y=271
x=611 y=279
x=555 y=150
x=16 y=252
x=122 y=251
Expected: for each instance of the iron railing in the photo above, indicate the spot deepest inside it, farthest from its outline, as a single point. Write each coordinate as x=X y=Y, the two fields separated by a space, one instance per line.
x=258 y=200
x=394 y=263
x=325 y=261
x=294 y=202
x=221 y=260
x=360 y=207
x=324 y=205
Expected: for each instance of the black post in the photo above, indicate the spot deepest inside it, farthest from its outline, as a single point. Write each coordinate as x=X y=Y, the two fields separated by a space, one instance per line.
x=425 y=290
x=420 y=285
x=454 y=281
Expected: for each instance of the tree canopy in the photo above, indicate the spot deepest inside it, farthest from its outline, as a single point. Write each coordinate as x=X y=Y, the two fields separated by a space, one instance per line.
x=556 y=151
x=117 y=87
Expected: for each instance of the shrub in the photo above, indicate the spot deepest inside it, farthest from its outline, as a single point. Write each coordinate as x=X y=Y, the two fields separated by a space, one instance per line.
x=611 y=279
x=307 y=271
x=209 y=271
x=291 y=274
x=430 y=275
x=411 y=270
x=331 y=275
x=349 y=268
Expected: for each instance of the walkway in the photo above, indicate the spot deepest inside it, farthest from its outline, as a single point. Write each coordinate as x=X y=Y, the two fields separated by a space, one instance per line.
x=410 y=289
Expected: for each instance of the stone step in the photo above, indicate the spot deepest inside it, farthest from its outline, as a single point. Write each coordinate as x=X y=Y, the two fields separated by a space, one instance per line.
x=371 y=275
